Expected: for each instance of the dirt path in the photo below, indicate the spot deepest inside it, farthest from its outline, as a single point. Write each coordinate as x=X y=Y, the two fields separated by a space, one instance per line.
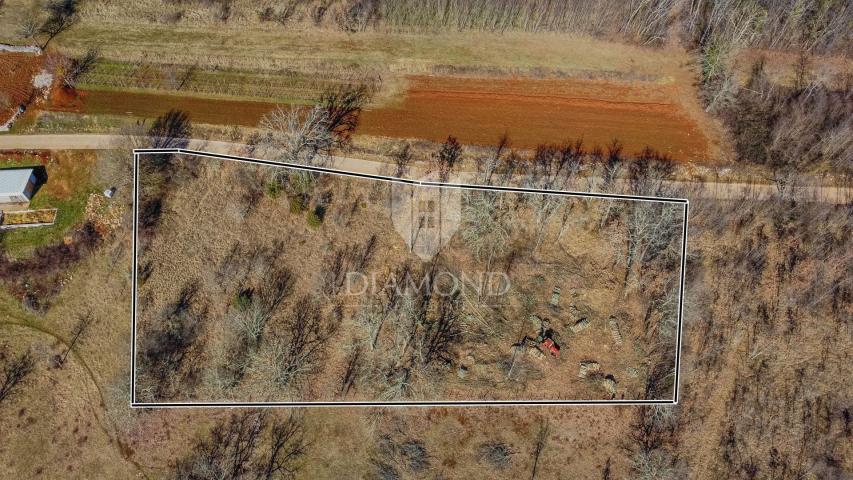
x=809 y=192
x=112 y=431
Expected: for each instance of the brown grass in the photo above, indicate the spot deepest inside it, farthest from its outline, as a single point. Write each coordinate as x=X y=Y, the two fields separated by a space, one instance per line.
x=202 y=222
x=746 y=383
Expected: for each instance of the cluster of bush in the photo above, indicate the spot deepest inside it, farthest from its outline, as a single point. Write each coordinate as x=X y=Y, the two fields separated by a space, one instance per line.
x=36 y=279
x=806 y=126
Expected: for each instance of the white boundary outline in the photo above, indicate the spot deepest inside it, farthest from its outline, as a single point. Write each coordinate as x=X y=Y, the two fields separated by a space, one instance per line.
x=137 y=153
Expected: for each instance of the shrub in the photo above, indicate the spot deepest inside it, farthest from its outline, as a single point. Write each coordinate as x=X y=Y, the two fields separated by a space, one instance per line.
x=149 y=215
x=242 y=300
x=314 y=219
x=497 y=454
x=273 y=188
x=297 y=204
x=414 y=455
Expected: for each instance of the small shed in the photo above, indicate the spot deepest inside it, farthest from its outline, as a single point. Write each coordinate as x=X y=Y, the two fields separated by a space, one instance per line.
x=17 y=185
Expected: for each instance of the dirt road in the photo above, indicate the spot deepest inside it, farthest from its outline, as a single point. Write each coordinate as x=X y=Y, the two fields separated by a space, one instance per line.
x=693 y=190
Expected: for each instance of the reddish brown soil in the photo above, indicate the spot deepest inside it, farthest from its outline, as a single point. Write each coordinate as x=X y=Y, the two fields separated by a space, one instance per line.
x=65 y=99
x=541 y=111
x=477 y=111
x=151 y=105
x=16 y=81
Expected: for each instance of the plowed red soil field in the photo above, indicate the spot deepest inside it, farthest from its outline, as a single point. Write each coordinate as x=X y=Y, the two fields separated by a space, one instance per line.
x=16 y=80
x=477 y=111
x=541 y=111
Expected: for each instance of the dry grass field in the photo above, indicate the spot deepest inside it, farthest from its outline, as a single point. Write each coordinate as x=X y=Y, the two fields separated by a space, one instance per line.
x=730 y=89
x=81 y=405
x=226 y=272
x=763 y=345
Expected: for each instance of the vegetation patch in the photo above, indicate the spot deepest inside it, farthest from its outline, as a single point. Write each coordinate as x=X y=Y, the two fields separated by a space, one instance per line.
x=284 y=86
x=68 y=187
x=469 y=332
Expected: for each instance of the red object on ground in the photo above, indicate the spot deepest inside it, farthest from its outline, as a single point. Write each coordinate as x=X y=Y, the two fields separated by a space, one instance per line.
x=549 y=346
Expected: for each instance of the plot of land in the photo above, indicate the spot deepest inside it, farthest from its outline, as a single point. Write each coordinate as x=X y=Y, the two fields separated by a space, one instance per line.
x=69 y=183
x=533 y=111
x=259 y=283
x=16 y=81
x=474 y=85
x=476 y=110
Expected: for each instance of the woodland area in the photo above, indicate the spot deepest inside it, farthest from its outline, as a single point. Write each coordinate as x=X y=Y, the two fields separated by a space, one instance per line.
x=273 y=321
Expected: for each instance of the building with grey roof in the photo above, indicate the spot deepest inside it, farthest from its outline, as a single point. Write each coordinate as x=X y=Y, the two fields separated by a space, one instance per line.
x=17 y=185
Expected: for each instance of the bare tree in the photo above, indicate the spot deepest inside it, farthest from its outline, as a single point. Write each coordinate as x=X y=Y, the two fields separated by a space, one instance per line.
x=14 y=371
x=30 y=26
x=553 y=168
x=80 y=66
x=351 y=373
x=649 y=173
x=653 y=429
x=538 y=447
x=487 y=167
x=171 y=130
x=439 y=332
x=280 y=460
x=606 y=474
x=294 y=351
x=486 y=225
x=611 y=166
x=350 y=259
x=167 y=352
x=654 y=465
x=239 y=449
x=298 y=135
x=444 y=161
x=651 y=226
x=187 y=76
x=62 y=15
x=343 y=106
x=402 y=159
x=802 y=71
x=79 y=330
x=374 y=314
